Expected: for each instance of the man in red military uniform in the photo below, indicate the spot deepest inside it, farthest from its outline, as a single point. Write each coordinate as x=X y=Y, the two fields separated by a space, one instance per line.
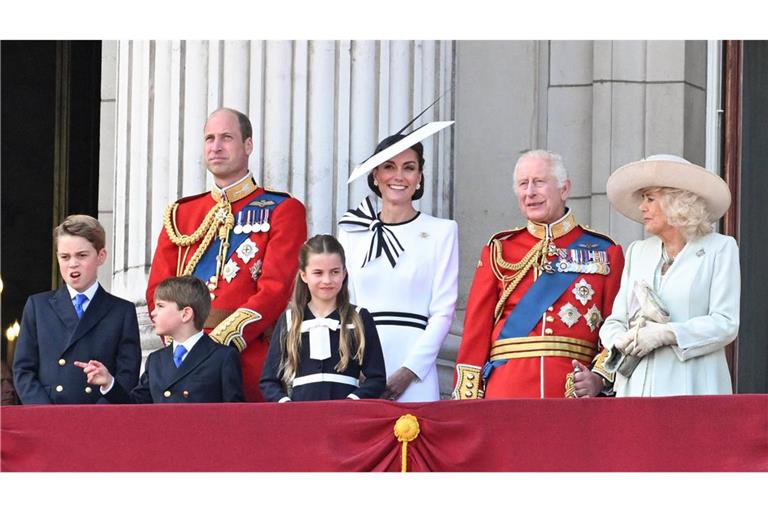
x=240 y=239
x=538 y=298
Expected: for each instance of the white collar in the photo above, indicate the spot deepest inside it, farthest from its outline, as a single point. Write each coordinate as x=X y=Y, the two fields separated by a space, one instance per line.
x=90 y=292
x=189 y=342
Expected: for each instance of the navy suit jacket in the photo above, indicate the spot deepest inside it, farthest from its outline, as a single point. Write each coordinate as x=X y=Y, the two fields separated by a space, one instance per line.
x=52 y=337
x=210 y=373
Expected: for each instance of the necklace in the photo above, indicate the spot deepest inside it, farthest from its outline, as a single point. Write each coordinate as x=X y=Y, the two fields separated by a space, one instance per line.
x=666 y=260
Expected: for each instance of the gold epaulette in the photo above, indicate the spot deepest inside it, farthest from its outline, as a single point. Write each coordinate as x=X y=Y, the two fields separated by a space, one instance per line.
x=230 y=330
x=503 y=235
x=598 y=233
x=469 y=385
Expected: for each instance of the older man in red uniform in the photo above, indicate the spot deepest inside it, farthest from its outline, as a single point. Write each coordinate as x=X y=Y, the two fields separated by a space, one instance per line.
x=538 y=297
x=243 y=241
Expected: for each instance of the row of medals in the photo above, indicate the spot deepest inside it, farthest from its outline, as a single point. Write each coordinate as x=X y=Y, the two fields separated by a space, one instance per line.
x=251 y=224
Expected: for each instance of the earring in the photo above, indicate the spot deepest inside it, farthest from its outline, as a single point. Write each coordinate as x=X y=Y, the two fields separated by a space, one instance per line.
x=375 y=183
x=418 y=186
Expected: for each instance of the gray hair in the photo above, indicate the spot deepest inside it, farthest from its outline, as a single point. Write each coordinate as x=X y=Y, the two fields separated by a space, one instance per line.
x=556 y=165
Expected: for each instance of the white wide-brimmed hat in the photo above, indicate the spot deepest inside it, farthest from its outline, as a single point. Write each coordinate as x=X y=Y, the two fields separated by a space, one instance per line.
x=625 y=184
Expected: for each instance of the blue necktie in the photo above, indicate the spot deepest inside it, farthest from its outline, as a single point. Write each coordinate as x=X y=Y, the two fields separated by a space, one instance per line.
x=178 y=353
x=80 y=299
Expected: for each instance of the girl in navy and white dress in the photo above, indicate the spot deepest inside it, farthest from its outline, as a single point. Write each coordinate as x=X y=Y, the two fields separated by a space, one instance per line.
x=322 y=344
x=403 y=267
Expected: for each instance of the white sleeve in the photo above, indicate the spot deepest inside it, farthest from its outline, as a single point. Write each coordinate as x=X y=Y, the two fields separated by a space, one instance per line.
x=343 y=238
x=617 y=322
x=422 y=356
x=704 y=334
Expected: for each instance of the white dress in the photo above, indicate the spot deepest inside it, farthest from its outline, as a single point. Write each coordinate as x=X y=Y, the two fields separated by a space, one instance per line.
x=701 y=290
x=413 y=302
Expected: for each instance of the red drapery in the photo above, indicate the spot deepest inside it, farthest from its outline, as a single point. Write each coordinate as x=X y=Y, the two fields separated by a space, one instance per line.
x=712 y=433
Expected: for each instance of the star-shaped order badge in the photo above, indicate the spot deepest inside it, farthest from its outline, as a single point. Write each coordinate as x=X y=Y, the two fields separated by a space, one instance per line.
x=594 y=318
x=229 y=271
x=247 y=250
x=569 y=314
x=583 y=291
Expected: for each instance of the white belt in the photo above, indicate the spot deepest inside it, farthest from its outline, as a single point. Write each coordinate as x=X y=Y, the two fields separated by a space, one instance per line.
x=325 y=377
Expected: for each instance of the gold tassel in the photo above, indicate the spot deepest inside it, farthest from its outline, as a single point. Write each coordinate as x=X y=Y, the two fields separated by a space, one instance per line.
x=406 y=430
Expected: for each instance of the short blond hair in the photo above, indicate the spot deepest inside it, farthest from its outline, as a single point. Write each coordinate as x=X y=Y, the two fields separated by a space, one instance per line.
x=684 y=210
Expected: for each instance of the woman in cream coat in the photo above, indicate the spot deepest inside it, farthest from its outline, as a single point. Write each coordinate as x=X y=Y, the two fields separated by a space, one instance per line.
x=694 y=272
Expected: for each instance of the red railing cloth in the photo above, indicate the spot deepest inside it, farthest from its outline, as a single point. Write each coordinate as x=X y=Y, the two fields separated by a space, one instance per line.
x=705 y=433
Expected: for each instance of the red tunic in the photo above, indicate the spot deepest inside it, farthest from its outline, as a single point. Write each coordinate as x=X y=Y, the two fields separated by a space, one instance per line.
x=567 y=330
x=261 y=286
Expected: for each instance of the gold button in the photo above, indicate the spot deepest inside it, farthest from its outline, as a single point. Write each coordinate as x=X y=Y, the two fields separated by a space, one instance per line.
x=62 y=362
x=470 y=385
x=88 y=390
x=551 y=308
x=471 y=376
x=468 y=394
x=185 y=394
x=548 y=331
x=550 y=318
x=59 y=388
x=167 y=394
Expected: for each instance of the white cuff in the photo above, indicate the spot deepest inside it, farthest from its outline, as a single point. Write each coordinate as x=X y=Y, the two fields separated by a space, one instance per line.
x=284 y=399
x=353 y=396
x=109 y=388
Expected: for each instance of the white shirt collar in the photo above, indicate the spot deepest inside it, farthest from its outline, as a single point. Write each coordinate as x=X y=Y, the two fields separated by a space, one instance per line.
x=189 y=342
x=90 y=292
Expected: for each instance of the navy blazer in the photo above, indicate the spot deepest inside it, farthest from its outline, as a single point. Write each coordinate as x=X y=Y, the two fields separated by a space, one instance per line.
x=210 y=373
x=52 y=338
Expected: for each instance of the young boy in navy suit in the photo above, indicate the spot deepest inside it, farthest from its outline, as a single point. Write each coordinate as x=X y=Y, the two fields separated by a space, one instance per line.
x=193 y=368
x=78 y=321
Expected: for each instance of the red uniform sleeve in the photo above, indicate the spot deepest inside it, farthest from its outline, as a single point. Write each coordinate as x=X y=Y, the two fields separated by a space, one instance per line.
x=280 y=263
x=478 y=328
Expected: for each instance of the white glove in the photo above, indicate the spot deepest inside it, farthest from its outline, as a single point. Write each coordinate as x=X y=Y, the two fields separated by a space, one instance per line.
x=622 y=340
x=650 y=337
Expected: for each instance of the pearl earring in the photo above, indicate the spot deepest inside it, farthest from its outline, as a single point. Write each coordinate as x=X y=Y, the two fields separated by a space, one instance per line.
x=375 y=183
x=418 y=186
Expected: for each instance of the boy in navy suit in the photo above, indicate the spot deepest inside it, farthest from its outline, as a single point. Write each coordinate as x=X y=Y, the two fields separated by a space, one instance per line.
x=78 y=321
x=193 y=368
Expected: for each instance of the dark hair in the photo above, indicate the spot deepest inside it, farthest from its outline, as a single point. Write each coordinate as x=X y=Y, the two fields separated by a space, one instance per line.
x=186 y=291
x=418 y=148
x=246 y=130
x=351 y=344
x=83 y=226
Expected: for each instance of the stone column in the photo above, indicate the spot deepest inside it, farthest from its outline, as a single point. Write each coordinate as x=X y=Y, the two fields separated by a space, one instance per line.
x=318 y=108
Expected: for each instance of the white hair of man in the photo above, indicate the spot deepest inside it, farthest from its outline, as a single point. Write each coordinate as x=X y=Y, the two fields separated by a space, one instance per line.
x=557 y=167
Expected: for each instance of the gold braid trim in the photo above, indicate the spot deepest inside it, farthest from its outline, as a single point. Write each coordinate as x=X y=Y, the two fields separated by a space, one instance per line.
x=519 y=269
x=469 y=384
x=218 y=220
x=230 y=330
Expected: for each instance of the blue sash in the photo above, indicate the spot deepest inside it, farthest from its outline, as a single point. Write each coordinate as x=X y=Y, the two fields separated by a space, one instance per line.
x=542 y=294
x=206 y=267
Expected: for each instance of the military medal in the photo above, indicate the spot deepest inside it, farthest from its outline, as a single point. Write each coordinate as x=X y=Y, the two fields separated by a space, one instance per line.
x=569 y=314
x=583 y=291
x=256 y=270
x=247 y=226
x=238 y=229
x=593 y=317
x=257 y=228
x=265 y=223
x=247 y=250
x=229 y=271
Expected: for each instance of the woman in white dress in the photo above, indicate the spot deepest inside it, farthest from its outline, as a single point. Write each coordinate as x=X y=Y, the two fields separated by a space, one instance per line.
x=693 y=271
x=403 y=268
